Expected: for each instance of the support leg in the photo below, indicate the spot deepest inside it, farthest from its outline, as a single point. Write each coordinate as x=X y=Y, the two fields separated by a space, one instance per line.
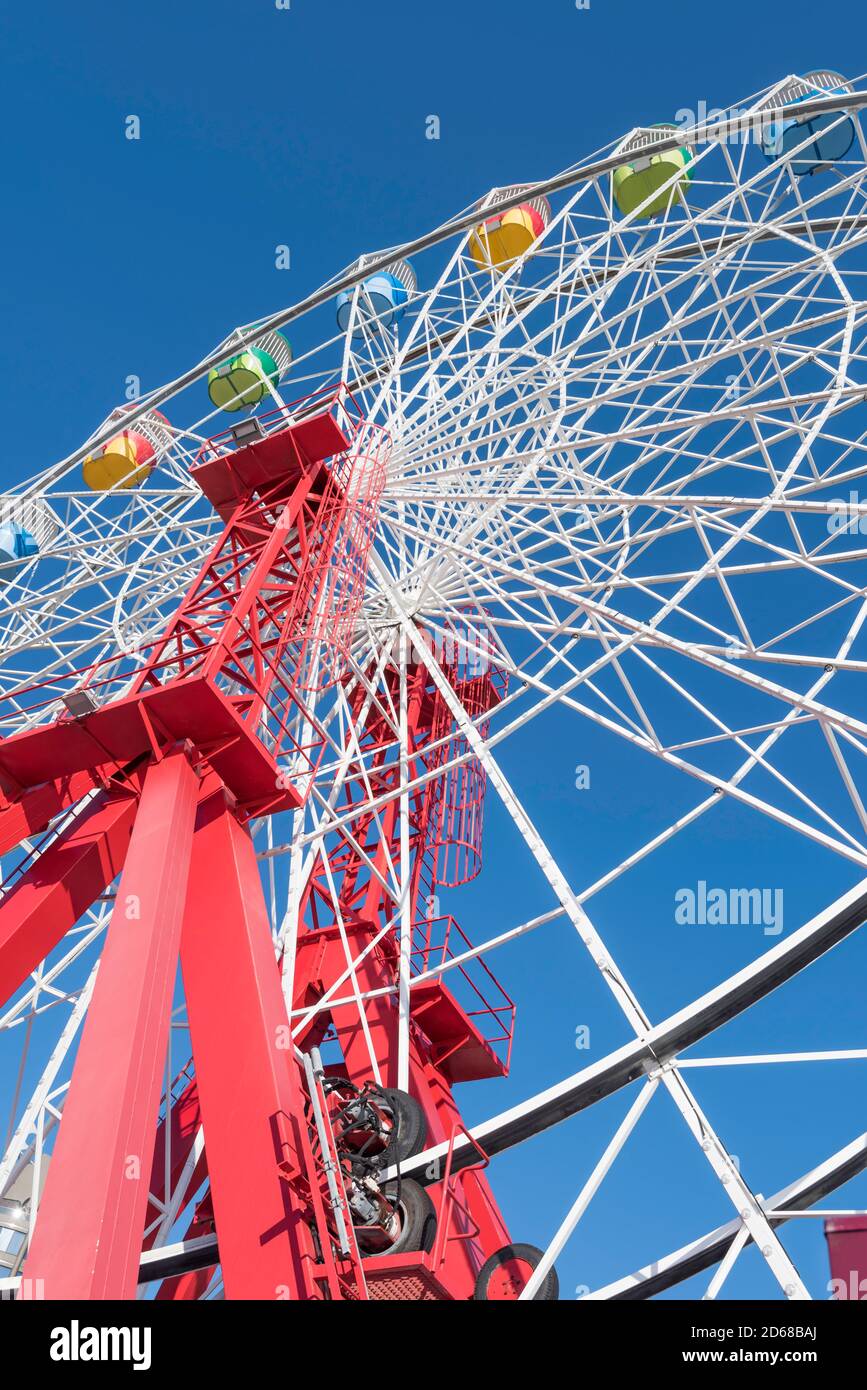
x=248 y=1082
x=88 y=1235
x=52 y=894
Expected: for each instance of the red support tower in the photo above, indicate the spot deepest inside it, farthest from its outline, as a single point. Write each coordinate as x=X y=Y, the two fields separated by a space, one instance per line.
x=460 y=1030
x=217 y=728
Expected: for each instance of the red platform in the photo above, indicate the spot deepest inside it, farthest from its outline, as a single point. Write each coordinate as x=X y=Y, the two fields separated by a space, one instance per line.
x=461 y=1052
x=191 y=709
x=407 y=1278
x=228 y=477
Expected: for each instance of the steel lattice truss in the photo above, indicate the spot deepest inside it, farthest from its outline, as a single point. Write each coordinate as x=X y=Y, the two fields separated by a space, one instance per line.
x=632 y=463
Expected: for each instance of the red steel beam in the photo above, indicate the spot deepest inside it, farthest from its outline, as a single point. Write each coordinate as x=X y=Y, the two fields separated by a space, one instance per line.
x=52 y=894
x=247 y=1079
x=31 y=814
x=182 y=1124
x=88 y=1236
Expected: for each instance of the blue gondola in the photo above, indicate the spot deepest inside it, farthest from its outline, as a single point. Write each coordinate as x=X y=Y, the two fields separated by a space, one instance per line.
x=17 y=546
x=381 y=299
x=829 y=136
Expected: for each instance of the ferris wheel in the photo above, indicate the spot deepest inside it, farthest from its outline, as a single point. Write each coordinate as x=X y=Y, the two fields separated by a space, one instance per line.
x=283 y=637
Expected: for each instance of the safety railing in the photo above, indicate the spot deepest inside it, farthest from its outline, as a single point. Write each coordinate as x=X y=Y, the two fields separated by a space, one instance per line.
x=455 y=819
x=436 y=942
x=337 y=401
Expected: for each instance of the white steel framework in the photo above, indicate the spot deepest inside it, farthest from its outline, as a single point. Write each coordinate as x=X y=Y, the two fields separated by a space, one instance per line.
x=627 y=468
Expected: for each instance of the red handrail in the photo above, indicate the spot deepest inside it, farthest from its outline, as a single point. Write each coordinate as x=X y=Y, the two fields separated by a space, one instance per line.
x=449 y=1199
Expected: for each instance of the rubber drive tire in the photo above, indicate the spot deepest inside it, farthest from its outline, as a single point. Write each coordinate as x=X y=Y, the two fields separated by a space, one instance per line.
x=410 y=1127
x=418 y=1217
x=496 y=1274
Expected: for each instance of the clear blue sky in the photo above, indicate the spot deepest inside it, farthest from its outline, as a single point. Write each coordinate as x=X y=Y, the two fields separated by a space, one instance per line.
x=261 y=126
